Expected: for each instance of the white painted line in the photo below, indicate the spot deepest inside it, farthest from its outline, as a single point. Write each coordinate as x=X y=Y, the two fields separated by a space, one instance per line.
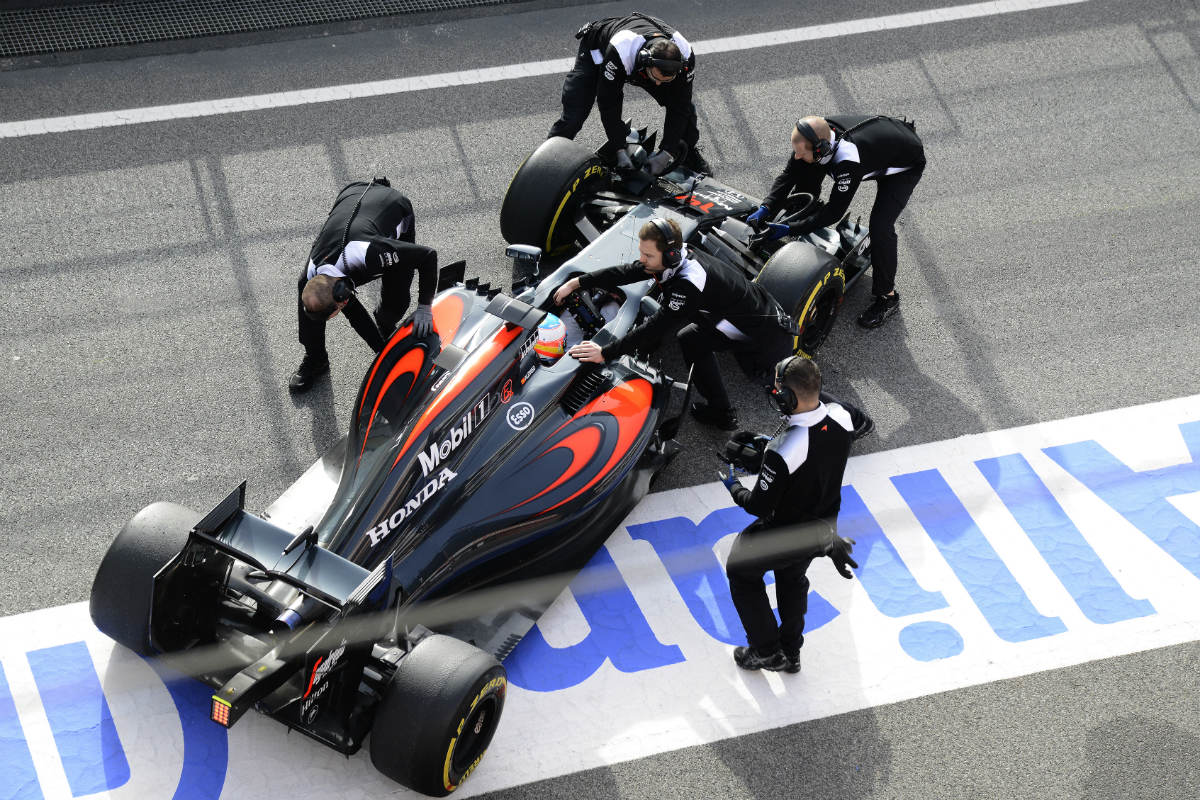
x=300 y=97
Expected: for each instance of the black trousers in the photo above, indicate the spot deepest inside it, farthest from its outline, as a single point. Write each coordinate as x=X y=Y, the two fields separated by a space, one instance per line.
x=579 y=95
x=891 y=197
x=754 y=553
x=757 y=356
x=395 y=295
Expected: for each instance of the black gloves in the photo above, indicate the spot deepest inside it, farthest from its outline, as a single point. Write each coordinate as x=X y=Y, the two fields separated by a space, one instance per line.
x=839 y=553
x=745 y=450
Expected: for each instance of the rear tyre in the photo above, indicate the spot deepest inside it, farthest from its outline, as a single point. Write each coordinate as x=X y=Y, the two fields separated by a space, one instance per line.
x=540 y=204
x=438 y=715
x=810 y=285
x=122 y=592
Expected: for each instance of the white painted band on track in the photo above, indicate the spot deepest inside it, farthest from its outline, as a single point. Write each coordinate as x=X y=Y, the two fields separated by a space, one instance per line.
x=328 y=94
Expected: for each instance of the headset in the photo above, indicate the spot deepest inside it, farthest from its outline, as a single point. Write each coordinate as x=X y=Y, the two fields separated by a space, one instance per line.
x=672 y=256
x=822 y=148
x=782 y=396
x=643 y=61
x=343 y=290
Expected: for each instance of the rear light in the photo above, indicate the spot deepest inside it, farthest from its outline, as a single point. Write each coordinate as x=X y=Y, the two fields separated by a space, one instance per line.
x=221 y=711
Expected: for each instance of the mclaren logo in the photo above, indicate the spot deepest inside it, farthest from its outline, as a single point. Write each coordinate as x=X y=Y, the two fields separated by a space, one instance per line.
x=435 y=485
x=438 y=452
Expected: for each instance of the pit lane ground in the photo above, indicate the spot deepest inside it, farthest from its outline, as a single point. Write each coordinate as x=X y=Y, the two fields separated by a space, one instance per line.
x=1047 y=268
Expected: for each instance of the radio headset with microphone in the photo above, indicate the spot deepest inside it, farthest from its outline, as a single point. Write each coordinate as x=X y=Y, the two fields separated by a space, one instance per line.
x=643 y=61
x=672 y=256
x=782 y=396
x=823 y=148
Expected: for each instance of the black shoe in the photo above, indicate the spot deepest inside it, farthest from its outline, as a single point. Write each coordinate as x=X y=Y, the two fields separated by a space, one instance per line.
x=863 y=429
x=311 y=368
x=879 y=310
x=696 y=163
x=723 y=418
x=793 y=662
x=749 y=658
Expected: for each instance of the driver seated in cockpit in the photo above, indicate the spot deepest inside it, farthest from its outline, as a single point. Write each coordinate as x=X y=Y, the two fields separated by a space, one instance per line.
x=716 y=307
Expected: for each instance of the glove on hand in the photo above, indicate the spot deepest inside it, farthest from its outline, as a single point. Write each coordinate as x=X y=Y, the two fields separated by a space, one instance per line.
x=658 y=163
x=757 y=217
x=728 y=477
x=745 y=450
x=623 y=160
x=776 y=230
x=839 y=554
x=423 y=320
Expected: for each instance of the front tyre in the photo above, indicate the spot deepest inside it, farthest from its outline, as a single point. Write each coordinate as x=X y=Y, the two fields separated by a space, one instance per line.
x=540 y=204
x=438 y=715
x=810 y=285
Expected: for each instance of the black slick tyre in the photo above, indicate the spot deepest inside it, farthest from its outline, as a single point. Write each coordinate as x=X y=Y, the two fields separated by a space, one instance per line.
x=544 y=194
x=810 y=285
x=122 y=592
x=438 y=715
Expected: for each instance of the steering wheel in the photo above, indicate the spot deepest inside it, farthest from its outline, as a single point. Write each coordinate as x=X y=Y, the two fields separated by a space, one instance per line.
x=583 y=309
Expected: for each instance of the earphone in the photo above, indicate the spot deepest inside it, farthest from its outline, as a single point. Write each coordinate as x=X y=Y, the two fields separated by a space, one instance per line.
x=643 y=61
x=343 y=290
x=672 y=256
x=782 y=396
x=822 y=148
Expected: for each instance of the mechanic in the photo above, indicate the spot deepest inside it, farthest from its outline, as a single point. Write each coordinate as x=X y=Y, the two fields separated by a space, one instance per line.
x=851 y=149
x=718 y=308
x=643 y=51
x=795 y=500
x=369 y=234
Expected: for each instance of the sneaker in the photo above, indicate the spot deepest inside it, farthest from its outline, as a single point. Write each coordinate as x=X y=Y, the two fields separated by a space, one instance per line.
x=863 y=429
x=723 y=418
x=749 y=658
x=880 y=309
x=793 y=661
x=694 y=161
x=311 y=368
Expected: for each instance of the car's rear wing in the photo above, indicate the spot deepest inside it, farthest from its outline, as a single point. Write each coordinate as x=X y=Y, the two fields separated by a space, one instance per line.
x=312 y=569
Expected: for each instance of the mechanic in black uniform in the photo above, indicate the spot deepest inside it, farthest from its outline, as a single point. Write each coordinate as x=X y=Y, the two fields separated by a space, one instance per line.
x=796 y=500
x=719 y=308
x=851 y=149
x=643 y=51
x=369 y=234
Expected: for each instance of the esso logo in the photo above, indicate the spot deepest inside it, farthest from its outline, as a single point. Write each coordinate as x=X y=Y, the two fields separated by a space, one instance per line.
x=519 y=416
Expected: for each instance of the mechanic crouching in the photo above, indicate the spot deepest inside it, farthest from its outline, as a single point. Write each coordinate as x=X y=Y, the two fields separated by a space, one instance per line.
x=369 y=234
x=642 y=51
x=718 y=309
x=852 y=149
x=796 y=500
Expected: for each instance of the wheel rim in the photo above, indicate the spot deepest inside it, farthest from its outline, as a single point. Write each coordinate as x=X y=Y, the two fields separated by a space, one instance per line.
x=815 y=328
x=476 y=735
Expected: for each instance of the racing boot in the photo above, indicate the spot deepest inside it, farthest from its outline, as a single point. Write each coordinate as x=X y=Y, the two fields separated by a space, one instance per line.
x=750 y=658
x=793 y=660
x=863 y=428
x=723 y=418
x=312 y=367
x=694 y=161
x=879 y=310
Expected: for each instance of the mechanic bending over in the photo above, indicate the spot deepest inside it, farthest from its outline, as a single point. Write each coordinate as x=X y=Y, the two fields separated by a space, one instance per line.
x=851 y=149
x=795 y=500
x=643 y=51
x=369 y=234
x=724 y=309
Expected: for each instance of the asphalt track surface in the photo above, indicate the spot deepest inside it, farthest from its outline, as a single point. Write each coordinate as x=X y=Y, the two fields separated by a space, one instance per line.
x=1047 y=268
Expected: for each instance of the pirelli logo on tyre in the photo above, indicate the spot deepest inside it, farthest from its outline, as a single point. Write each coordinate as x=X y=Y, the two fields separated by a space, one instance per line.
x=497 y=686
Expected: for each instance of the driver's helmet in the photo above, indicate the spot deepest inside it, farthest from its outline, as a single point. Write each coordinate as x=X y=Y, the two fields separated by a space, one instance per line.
x=551 y=340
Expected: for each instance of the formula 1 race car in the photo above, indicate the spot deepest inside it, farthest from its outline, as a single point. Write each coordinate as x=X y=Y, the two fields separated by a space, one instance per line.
x=472 y=465
x=563 y=197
